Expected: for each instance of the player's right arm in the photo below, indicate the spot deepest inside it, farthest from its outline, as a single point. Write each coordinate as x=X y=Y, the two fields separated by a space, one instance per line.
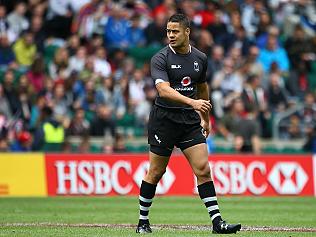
x=167 y=92
x=161 y=79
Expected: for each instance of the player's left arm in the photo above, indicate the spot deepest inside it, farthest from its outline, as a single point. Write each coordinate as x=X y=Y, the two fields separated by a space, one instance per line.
x=203 y=93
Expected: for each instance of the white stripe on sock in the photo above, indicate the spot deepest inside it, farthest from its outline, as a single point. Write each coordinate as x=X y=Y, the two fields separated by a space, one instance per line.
x=209 y=199
x=143 y=208
x=212 y=208
x=145 y=199
x=214 y=216
x=143 y=217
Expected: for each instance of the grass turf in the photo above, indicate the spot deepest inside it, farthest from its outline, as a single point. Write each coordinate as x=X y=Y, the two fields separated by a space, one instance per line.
x=250 y=211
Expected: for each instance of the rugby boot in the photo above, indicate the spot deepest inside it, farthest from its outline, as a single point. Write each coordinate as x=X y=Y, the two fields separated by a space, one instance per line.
x=143 y=228
x=223 y=228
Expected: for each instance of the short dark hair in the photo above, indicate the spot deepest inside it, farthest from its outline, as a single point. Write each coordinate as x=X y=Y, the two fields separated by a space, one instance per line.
x=181 y=19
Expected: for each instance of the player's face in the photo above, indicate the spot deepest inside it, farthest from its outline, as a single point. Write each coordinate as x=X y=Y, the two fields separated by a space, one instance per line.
x=178 y=36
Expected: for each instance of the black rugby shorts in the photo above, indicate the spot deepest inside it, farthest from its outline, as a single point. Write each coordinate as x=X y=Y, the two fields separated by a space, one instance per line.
x=164 y=133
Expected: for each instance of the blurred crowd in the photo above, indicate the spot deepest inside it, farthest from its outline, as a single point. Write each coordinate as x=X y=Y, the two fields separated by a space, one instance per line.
x=82 y=68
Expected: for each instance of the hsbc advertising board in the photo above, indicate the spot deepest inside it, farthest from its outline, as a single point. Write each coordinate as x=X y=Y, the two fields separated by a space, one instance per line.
x=264 y=175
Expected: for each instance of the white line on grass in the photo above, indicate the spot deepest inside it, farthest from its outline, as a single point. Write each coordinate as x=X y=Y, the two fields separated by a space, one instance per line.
x=161 y=226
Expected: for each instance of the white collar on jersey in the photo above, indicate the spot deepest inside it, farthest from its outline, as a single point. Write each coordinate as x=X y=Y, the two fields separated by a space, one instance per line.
x=175 y=51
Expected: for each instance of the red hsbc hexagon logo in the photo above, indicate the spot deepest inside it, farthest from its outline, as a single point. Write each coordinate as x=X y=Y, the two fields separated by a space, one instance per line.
x=165 y=183
x=288 y=178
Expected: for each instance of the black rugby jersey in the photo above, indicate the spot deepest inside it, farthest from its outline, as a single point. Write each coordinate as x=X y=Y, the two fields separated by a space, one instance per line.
x=182 y=71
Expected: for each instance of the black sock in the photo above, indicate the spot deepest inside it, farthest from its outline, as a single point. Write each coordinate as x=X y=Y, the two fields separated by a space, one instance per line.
x=208 y=195
x=147 y=192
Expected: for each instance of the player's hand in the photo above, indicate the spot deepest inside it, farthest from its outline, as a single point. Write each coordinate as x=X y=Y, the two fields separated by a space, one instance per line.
x=206 y=129
x=201 y=105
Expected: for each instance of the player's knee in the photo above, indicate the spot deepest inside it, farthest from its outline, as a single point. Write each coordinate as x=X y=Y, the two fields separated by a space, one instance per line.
x=155 y=175
x=203 y=172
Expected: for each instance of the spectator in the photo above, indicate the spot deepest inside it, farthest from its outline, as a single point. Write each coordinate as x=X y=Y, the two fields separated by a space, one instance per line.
x=79 y=126
x=60 y=61
x=226 y=86
x=94 y=43
x=298 y=47
x=103 y=124
x=5 y=109
x=77 y=62
x=239 y=40
x=24 y=107
x=310 y=142
x=76 y=5
x=50 y=134
x=17 y=20
x=229 y=123
x=265 y=22
x=88 y=73
x=25 y=49
x=255 y=101
x=253 y=94
x=205 y=17
x=137 y=33
x=167 y=7
x=48 y=90
x=38 y=31
x=136 y=88
x=255 y=67
x=37 y=8
x=10 y=91
x=262 y=39
x=110 y=94
x=73 y=44
x=86 y=11
x=119 y=144
x=4 y=24
x=59 y=18
x=218 y=29
x=235 y=55
x=22 y=143
x=87 y=100
x=215 y=62
x=155 y=32
x=293 y=127
x=35 y=112
x=60 y=104
x=247 y=137
x=274 y=54
x=125 y=67
x=4 y=144
x=308 y=116
x=26 y=87
x=117 y=30
x=142 y=110
x=250 y=11
x=36 y=74
x=205 y=42
x=277 y=95
x=101 y=65
x=7 y=56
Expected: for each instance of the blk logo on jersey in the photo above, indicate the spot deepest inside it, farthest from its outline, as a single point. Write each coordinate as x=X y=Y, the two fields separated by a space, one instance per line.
x=196 y=66
x=174 y=66
x=186 y=81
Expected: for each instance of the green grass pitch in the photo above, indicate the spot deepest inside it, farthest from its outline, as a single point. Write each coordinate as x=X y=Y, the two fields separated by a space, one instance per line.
x=48 y=216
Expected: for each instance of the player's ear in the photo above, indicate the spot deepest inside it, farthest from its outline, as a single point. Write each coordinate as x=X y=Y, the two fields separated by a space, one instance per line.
x=187 y=31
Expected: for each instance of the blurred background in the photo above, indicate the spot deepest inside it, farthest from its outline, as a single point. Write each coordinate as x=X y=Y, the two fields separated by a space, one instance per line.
x=75 y=74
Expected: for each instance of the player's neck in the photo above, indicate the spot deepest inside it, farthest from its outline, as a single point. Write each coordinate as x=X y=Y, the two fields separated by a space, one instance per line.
x=181 y=50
